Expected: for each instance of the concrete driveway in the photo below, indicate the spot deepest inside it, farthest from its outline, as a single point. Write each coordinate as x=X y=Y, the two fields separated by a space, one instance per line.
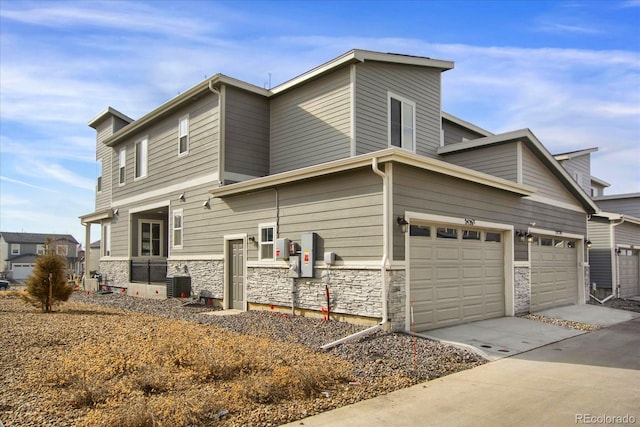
x=587 y=379
x=507 y=336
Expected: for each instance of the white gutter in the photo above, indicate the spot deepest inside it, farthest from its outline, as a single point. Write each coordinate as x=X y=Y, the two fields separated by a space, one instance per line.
x=384 y=264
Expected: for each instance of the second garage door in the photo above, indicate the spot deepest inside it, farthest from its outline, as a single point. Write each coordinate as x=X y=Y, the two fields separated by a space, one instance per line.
x=554 y=272
x=629 y=270
x=456 y=275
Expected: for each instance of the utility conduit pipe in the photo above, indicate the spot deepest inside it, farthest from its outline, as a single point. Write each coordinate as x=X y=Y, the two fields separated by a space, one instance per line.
x=383 y=264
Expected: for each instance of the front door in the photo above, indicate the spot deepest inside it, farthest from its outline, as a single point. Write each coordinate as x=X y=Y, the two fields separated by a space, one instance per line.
x=236 y=274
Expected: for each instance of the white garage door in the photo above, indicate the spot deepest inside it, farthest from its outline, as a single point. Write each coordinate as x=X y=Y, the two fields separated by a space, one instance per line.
x=629 y=268
x=554 y=272
x=21 y=271
x=456 y=275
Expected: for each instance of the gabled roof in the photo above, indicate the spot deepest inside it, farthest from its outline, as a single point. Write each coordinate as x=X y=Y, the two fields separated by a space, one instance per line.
x=359 y=55
x=465 y=124
x=365 y=160
x=353 y=56
x=618 y=217
x=600 y=182
x=617 y=196
x=37 y=238
x=526 y=136
x=573 y=154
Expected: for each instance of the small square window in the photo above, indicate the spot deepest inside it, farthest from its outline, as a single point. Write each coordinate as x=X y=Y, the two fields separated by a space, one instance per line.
x=15 y=249
x=62 y=250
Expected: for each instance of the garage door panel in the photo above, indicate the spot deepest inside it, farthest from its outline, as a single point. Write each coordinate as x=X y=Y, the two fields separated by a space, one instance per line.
x=554 y=274
x=629 y=271
x=465 y=276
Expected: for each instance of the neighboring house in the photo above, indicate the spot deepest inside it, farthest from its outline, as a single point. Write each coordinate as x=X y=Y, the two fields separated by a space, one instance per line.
x=94 y=248
x=18 y=252
x=614 y=232
x=393 y=205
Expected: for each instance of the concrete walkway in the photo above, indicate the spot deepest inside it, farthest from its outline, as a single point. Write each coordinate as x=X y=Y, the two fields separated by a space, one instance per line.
x=562 y=384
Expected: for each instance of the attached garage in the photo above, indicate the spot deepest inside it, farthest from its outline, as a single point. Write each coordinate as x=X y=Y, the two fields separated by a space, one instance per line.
x=554 y=272
x=629 y=268
x=22 y=271
x=456 y=274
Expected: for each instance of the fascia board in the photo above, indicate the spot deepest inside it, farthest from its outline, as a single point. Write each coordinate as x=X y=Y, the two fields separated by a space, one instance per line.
x=96 y=216
x=387 y=155
x=106 y=112
x=600 y=181
x=617 y=196
x=573 y=154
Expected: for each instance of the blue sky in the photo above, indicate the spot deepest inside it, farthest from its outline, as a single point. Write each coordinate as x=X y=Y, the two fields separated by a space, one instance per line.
x=569 y=71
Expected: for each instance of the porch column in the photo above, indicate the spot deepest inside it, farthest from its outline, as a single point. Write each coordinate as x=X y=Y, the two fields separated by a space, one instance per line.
x=87 y=252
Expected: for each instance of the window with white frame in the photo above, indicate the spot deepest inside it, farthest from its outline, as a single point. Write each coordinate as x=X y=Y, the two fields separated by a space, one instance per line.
x=40 y=249
x=177 y=228
x=122 y=162
x=402 y=119
x=141 y=158
x=150 y=238
x=183 y=135
x=266 y=241
x=99 y=179
x=106 y=239
x=62 y=250
x=15 y=249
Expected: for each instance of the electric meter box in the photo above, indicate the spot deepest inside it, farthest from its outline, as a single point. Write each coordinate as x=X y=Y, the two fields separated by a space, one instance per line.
x=294 y=266
x=307 y=254
x=282 y=249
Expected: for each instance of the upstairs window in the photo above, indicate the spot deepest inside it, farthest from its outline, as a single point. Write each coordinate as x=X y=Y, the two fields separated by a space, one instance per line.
x=62 y=250
x=141 y=158
x=99 y=183
x=402 y=119
x=177 y=228
x=183 y=135
x=122 y=161
x=40 y=250
x=15 y=249
x=266 y=243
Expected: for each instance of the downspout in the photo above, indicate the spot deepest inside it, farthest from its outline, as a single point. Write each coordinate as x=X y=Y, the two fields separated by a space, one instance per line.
x=617 y=259
x=383 y=264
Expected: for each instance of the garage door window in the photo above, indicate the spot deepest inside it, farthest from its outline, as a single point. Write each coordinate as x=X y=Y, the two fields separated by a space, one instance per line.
x=447 y=233
x=571 y=244
x=558 y=243
x=546 y=242
x=420 y=230
x=492 y=237
x=470 y=235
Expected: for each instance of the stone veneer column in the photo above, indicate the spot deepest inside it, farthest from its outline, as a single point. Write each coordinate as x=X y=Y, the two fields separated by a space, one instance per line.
x=522 y=284
x=117 y=272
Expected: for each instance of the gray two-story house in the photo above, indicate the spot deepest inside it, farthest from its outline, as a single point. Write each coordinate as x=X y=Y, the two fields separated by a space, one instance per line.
x=18 y=252
x=348 y=180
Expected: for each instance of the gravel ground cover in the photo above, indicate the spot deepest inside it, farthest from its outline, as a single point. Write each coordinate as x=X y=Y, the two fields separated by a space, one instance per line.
x=283 y=377
x=570 y=324
x=623 y=304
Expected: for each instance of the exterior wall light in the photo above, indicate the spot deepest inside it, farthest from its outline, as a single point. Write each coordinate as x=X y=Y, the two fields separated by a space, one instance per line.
x=588 y=244
x=181 y=197
x=403 y=223
x=206 y=204
x=524 y=235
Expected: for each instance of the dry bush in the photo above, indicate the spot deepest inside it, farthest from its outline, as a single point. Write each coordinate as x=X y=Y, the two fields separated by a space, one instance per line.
x=180 y=374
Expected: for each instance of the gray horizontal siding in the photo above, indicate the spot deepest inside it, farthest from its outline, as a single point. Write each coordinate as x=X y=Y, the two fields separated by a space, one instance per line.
x=246 y=133
x=581 y=165
x=164 y=165
x=311 y=124
x=104 y=153
x=627 y=233
x=428 y=192
x=626 y=206
x=536 y=174
x=419 y=84
x=497 y=160
x=454 y=133
x=600 y=252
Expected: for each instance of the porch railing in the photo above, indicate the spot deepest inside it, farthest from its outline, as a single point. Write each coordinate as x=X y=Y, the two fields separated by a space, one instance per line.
x=147 y=271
